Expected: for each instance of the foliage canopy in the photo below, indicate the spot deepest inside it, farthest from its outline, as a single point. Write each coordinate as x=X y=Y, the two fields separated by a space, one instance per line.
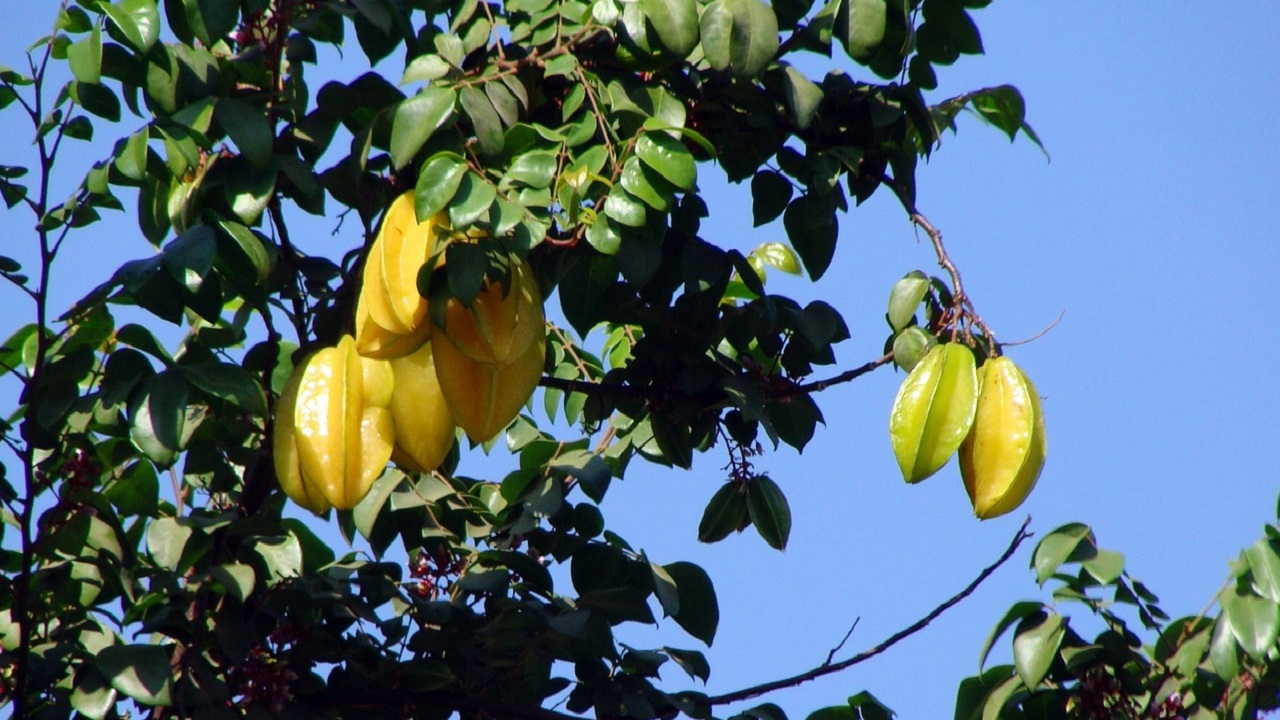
x=574 y=136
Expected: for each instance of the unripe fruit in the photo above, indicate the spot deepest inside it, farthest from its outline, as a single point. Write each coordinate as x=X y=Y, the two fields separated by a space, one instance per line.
x=933 y=411
x=391 y=316
x=485 y=397
x=424 y=425
x=333 y=428
x=501 y=322
x=1001 y=459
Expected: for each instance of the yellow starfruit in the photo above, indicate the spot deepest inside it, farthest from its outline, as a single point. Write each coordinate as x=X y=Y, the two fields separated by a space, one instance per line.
x=485 y=397
x=391 y=316
x=933 y=410
x=424 y=425
x=333 y=429
x=501 y=323
x=1001 y=459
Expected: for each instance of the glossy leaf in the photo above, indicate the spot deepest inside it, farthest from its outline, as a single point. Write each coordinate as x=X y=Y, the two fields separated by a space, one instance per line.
x=484 y=119
x=137 y=20
x=416 y=119
x=860 y=26
x=85 y=57
x=905 y=298
x=1254 y=621
x=668 y=157
x=1056 y=547
x=438 y=183
x=248 y=127
x=1016 y=613
x=676 y=22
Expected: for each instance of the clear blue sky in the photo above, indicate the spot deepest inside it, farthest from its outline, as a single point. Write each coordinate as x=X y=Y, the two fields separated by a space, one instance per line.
x=1153 y=228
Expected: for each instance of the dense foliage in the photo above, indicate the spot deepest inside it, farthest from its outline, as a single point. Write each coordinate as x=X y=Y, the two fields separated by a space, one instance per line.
x=149 y=564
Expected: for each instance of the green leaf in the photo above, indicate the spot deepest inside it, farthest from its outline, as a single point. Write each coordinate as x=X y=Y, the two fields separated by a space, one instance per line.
x=647 y=186
x=236 y=579
x=484 y=119
x=676 y=22
x=769 y=511
x=971 y=696
x=993 y=708
x=136 y=492
x=624 y=208
x=248 y=127
x=282 y=555
x=416 y=119
x=158 y=417
x=1035 y=644
x=372 y=506
x=131 y=156
x=699 y=612
x=1254 y=621
x=603 y=236
x=770 y=193
x=1224 y=651
x=210 y=20
x=803 y=97
x=137 y=20
x=85 y=57
x=228 y=382
x=664 y=586
x=812 y=228
x=166 y=540
x=425 y=68
x=92 y=695
x=669 y=157
x=141 y=672
x=535 y=168
x=869 y=707
x=905 y=298
x=725 y=513
x=860 y=25
x=1105 y=566
x=753 y=40
x=1057 y=547
x=97 y=99
x=472 y=201
x=438 y=182
x=1015 y=613
x=1265 y=565
x=778 y=256
x=692 y=662
x=465 y=268
x=250 y=245
x=835 y=712
x=716 y=27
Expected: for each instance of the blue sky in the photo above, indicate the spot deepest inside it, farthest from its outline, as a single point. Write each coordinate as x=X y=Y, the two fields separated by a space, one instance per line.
x=1153 y=231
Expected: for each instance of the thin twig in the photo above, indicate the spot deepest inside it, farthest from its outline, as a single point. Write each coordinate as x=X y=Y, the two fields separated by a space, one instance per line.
x=894 y=639
x=831 y=656
x=1038 y=335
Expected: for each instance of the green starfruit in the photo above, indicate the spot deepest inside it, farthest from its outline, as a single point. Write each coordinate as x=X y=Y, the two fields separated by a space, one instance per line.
x=934 y=410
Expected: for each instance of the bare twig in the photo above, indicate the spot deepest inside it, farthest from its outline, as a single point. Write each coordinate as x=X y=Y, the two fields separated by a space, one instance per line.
x=1038 y=335
x=831 y=656
x=829 y=668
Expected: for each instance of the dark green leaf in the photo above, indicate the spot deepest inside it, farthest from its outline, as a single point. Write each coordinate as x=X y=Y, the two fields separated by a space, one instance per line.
x=248 y=127
x=465 y=267
x=92 y=696
x=228 y=382
x=535 y=168
x=140 y=672
x=699 y=613
x=1265 y=565
x=812 y=228
x=136 y=492
x=97 y=99
x=624 y=208
x=647 y=186
x=416 y=119
x=770 y=512
x=725 y=513
x=692 y=662
x=484 y=119
x=250 y=245
x=158 y=417
x=803 y=97
x=770 y=193
x=754 y=38
x=869 y=707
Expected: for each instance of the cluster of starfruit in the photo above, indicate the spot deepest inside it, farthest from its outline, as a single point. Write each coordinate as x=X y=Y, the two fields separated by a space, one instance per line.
x=990 y=416
x=397 y=390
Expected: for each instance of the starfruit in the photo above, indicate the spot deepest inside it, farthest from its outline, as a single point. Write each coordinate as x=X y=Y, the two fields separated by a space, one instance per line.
x=424 y=425
x=933 y=411
x=391 y=315
x=1001 y=459
x=485 y=397
x=501 y=323
x=333 y=429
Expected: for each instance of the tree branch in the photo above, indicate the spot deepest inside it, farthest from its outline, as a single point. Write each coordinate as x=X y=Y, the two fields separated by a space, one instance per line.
x=829 y=668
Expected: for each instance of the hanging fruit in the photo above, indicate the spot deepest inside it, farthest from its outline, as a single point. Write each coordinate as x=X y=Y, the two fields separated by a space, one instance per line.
x=424 y=425
x=1001 y=459
x=391 y=315
x=502 y=321
x=933 y=410
x=485 y=397
x=333 y=428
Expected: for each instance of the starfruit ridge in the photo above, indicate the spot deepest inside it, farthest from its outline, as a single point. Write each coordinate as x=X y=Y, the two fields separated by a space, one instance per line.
x=933 y=411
